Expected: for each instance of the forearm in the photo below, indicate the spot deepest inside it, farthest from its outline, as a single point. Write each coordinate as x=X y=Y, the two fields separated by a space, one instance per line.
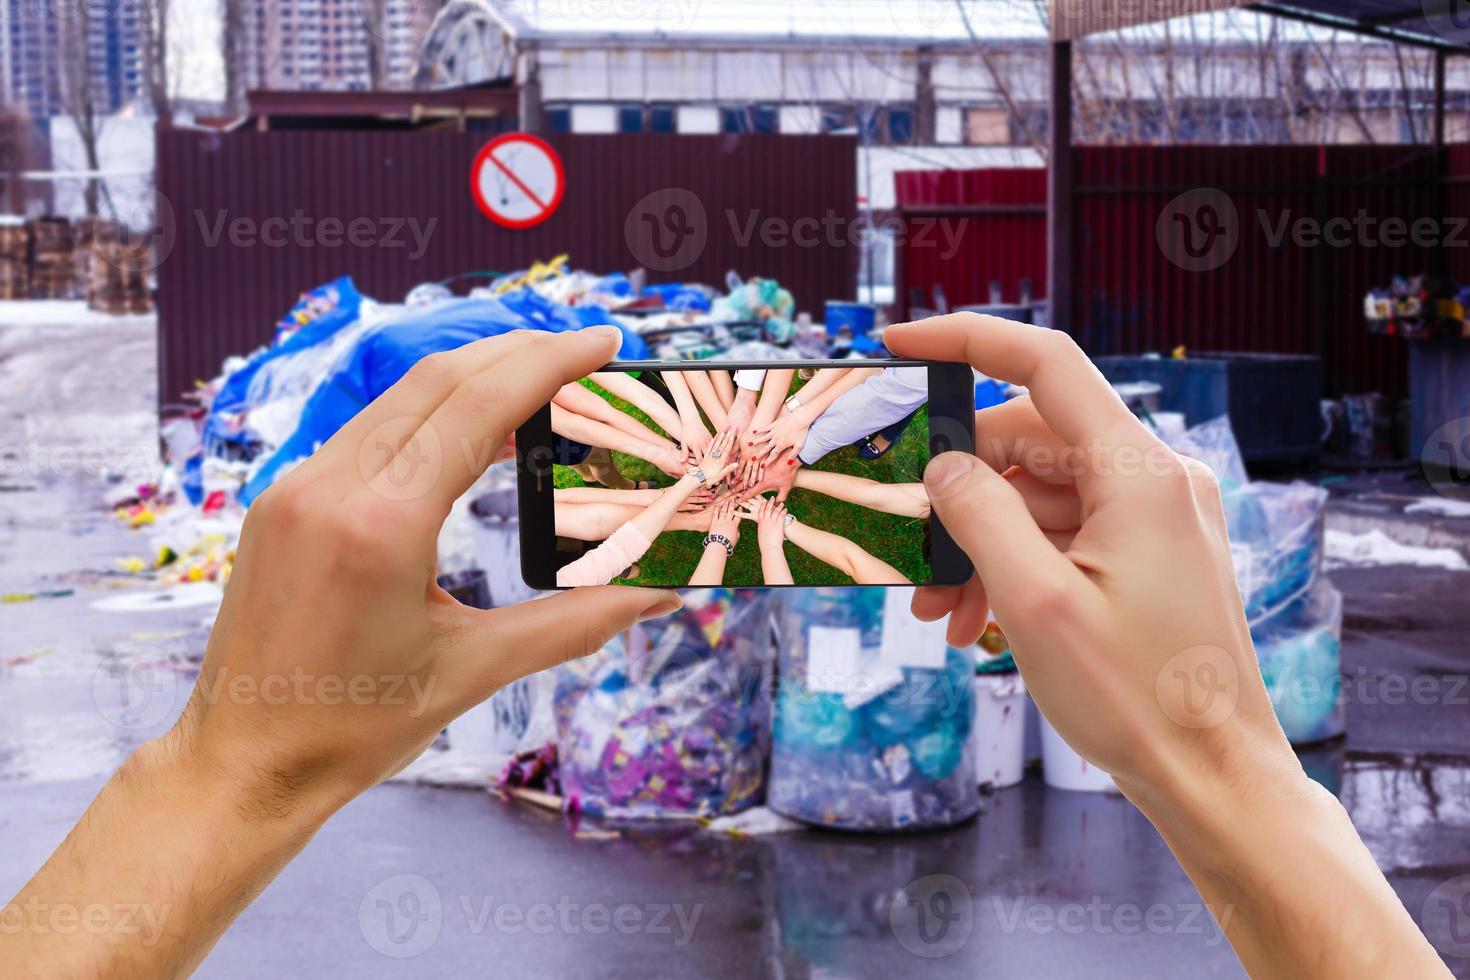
x=822 y=399
x=683 y=397
x=580 y=401
x=710 y=571
x=1291 y=886
x=641 y=397
x=774 y=567
x=160 y=865
x=656 y=516
x=821 y=381
x=594 y=433
x=706 y=398
x=843 y=555
x=773 y=396
x=724 y=387
x=901 y=499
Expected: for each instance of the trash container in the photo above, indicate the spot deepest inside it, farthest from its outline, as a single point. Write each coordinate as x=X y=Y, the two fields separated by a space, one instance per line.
x=873 y=716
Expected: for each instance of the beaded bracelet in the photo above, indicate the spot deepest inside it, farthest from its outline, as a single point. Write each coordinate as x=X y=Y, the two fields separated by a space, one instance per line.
x=720 y=539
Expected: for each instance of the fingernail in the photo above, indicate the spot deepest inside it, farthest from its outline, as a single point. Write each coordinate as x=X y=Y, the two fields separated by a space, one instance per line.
x=791 y=462
x=664 y=603
x=606 y=333
x=946 y=474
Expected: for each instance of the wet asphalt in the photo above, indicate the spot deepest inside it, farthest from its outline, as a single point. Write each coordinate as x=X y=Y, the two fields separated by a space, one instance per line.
x=419 y=882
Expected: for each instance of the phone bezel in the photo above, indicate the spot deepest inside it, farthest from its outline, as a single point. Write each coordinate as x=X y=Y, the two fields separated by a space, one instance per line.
x=951 y=428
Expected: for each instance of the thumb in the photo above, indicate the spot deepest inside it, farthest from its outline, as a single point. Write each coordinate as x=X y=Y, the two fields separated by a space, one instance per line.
x=498 y=646
x=988 y=518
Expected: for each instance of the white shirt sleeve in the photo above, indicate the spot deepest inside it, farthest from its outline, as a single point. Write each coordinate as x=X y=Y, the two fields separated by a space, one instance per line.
x=750 y=380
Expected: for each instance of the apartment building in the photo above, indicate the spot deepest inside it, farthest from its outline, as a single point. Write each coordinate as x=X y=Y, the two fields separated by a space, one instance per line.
x=37 y=42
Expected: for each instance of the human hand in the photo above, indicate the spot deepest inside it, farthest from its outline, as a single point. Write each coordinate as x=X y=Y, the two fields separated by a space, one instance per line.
x=771 y=521
x=334 y=582
x=737 y=422
x=1106 y=558
x=698 y=501
x=779 y=474
x=694 y=438
x=717 y=460
x=786 y=433
x=1110 y=573
x=671 y=460
x=725 y=519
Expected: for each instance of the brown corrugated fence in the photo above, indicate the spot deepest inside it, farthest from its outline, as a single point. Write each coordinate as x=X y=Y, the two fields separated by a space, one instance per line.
x=773 y=206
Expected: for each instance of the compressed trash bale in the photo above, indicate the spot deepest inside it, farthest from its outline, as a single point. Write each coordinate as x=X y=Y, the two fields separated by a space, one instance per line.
x=891 y=753
x=672 y=719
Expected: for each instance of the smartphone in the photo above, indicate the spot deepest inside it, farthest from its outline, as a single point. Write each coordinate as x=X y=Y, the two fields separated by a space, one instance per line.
x=636 y=475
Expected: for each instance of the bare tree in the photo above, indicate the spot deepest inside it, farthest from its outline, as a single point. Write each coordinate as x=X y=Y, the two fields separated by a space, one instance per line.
x=237 y=51
x=153 y=35
x=375 y=20
x=73 y=86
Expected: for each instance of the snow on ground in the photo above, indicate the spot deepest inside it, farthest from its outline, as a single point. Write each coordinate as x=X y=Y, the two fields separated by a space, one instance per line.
x=1442 y=506
x=78 y=394
x=1347 y=550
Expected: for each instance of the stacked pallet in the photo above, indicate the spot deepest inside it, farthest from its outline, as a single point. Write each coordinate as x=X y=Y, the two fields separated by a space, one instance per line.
x=53 y=259
x=15 y=259
x=118 y=283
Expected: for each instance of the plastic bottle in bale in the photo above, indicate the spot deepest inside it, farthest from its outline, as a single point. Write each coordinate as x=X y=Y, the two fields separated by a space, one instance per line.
x=1299 y=652
x=672 y=719
x=873 y=716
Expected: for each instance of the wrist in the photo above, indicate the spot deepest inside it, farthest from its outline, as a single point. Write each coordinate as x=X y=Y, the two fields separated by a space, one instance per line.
x=239 y=789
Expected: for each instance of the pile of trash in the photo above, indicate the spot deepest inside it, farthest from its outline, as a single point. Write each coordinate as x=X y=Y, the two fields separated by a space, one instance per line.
x=1295 y=614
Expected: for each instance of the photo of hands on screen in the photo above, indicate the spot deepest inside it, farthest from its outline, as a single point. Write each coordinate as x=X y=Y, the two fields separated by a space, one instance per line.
x=705 y=478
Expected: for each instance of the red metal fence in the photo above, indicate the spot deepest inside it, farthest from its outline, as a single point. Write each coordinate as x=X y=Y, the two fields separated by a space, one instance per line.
x=769 y=205
x=1304 y=233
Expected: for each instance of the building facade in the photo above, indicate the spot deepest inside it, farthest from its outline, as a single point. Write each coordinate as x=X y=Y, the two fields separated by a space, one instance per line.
x=38 y=43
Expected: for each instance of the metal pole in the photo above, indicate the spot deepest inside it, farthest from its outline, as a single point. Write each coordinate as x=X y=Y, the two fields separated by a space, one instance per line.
x=1059 y=189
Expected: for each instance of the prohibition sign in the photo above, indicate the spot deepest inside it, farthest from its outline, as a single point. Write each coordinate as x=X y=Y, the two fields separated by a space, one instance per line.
x=518 y=180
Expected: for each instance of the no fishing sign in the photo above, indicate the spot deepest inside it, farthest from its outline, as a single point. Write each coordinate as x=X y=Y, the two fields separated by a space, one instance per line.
x=518 y=180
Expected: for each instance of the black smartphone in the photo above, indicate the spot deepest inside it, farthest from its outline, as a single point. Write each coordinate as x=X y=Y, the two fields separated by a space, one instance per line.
x=710 y=473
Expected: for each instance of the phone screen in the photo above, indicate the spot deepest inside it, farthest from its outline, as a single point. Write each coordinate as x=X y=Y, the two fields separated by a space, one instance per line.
x=702 y=476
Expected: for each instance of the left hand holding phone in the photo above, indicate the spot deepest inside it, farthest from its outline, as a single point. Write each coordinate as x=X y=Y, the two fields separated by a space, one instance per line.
x=332 y=605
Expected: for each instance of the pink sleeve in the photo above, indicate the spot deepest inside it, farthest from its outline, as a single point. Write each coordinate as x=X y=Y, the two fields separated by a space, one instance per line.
x=608 y=560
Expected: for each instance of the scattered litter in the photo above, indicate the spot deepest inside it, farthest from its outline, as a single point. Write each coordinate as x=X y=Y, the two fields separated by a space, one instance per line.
x=535 y=797
x=12 y=598
x=178 y=597
x=29 y=656
x=590 y=834
x=450 y=768
x=757 y=822
x=1443 y=506
x=1346 y=550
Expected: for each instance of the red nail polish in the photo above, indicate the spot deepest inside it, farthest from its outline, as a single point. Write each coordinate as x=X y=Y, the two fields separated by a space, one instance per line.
x=791 y=462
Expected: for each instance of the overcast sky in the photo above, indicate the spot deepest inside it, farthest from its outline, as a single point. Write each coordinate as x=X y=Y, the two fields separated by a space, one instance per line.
x=199 y=66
